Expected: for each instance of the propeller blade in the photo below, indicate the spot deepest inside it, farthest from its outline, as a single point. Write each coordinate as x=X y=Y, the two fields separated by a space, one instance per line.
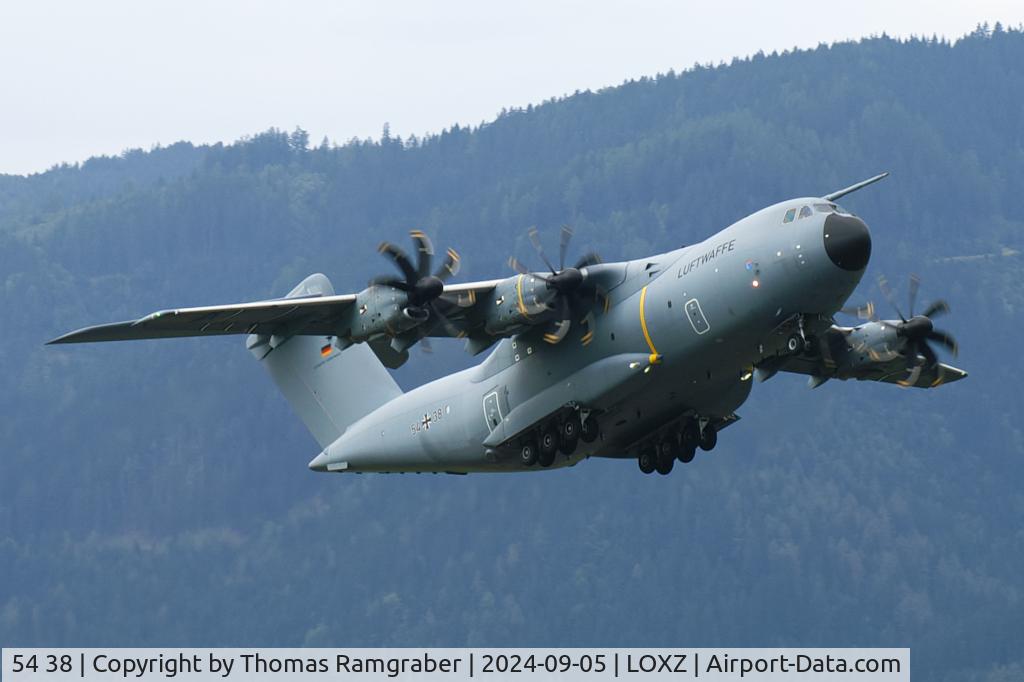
x=563 y=245
x=938 y=307
x=560 y=328
x=463 y=299
x=910 y=356
x=588 y=288
x=929 y=355
x=450 y=266
x=425 y=252
x=946 y=339
x=514 y=263
x=425 y=345
x=399 y=258
x=450 y=328
x=588 y=259
x=915 y=284
x=535 y=240
x=862 y=312
x=601 y=294
x=589 y=323
x=387 y=281
x=883 y=284
x=915 y=374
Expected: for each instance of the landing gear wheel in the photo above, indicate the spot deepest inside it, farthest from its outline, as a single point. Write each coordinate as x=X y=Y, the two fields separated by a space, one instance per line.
x=548 y=443
x=665 y=463
x=708 y=438
x=646 y=460
x=570 y=435
x=528 y=453
x=589 y=430
x=690 y=435
x=687 y=452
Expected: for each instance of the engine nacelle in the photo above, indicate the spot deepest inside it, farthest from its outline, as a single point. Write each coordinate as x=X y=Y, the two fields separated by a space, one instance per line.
x=382 y=311
x=519 y=302
x=866 y=345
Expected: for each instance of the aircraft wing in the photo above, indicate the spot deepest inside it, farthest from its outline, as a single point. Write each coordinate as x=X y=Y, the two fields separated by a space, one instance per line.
x=313 y=315
x=892 y=372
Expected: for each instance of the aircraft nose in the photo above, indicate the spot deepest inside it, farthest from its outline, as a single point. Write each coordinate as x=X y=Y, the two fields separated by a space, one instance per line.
x=847 y=241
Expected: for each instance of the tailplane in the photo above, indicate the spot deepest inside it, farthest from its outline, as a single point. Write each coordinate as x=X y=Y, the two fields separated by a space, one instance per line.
x=328 y=388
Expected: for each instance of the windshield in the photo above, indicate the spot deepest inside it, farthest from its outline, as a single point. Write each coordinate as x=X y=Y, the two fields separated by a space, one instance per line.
x=831 y=208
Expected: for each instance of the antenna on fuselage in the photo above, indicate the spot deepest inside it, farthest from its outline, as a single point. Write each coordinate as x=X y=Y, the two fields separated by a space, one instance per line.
x=853 y=188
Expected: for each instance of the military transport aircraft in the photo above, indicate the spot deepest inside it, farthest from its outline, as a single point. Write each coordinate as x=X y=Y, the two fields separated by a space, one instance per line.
x=647 y=359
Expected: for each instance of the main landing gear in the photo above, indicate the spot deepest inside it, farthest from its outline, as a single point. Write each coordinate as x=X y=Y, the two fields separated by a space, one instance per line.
x=541 y=445
x=681 y=444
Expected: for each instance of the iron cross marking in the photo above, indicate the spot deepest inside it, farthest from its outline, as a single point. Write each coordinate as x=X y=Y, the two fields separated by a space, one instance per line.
x=426 y=421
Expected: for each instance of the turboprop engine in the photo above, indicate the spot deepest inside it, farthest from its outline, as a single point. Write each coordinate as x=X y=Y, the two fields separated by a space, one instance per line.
x=393 y=306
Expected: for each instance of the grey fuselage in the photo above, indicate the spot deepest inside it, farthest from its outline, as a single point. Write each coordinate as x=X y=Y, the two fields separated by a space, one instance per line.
x=678 y=338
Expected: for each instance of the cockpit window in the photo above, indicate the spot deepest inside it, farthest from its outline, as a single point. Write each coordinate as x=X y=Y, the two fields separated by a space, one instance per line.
x=824 y=208
x=805 y=211
x=790 y=214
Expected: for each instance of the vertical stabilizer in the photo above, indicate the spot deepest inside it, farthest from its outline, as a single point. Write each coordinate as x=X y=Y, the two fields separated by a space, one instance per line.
x=328 y=388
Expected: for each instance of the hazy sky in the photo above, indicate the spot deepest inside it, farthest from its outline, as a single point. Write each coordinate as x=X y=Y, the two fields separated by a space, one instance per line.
x=85 y=78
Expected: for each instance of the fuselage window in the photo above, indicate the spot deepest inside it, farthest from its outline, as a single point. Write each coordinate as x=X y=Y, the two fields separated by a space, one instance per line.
x=805 y=211
x=790 y=214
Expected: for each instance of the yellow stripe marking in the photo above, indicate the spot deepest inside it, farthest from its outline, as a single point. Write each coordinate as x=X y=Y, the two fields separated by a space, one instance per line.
x=655 y=357
x=519 y=297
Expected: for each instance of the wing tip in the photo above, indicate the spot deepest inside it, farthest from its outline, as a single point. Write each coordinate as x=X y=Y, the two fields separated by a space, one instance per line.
x=101 y=332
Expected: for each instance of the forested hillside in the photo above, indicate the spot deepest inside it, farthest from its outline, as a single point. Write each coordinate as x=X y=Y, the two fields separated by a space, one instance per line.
x=157 y=493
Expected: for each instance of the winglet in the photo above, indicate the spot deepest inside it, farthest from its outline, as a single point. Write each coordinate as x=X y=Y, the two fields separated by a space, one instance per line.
x=853 y=188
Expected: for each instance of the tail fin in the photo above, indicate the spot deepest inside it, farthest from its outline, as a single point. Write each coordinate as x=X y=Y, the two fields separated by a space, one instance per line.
x=328 y=388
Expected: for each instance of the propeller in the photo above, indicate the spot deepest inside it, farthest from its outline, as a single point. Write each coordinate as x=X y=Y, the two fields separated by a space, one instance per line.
x=569 y=283
x=917 y=329
x=421 y=286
